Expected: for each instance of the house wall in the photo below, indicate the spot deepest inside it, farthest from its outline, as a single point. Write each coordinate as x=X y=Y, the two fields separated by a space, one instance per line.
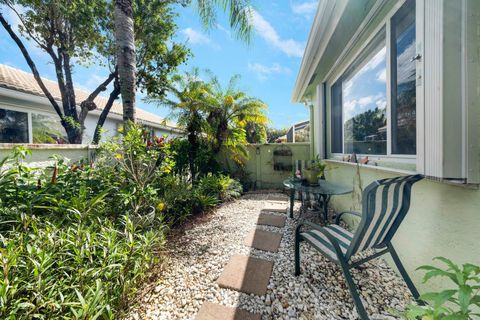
x=444 y=218
x=109 y=128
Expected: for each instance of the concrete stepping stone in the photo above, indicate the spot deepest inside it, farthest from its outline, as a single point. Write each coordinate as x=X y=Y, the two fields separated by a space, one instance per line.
x=268 y=219
x=275 y=207
x=277 y=198
x=246 y=274
x=212 y=311
x=264 y=240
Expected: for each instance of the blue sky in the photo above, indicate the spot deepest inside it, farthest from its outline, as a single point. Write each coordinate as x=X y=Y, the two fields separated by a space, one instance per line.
x=268 y=66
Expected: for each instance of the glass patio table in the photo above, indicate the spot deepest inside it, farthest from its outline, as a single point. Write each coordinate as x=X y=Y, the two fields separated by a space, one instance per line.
x=325 y=190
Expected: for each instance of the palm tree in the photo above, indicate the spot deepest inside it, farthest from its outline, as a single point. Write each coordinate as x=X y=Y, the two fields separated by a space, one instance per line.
x=190 y=107
x=125 y=44
x=239 y=11
x=230 y=112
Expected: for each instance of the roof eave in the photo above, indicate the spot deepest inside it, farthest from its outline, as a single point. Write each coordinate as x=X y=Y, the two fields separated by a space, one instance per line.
x=326 y=19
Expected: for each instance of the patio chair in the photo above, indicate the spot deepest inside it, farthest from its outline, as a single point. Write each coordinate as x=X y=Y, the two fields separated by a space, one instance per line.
x=384 y=206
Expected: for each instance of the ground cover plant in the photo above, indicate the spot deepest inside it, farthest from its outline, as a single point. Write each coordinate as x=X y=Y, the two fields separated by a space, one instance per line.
x=76 y=239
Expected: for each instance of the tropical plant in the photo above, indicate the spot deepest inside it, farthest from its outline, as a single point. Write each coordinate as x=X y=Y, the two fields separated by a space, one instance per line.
x=256 y=133
x=189 y=106
x=461 y=302
x=220 y=186
x=239 y=14
x=230 y=112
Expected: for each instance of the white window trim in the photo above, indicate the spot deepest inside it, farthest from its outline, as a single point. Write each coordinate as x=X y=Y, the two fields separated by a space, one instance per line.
x=336 y=73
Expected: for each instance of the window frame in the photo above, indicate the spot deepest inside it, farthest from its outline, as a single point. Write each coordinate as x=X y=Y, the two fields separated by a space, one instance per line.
x=338 y=72
x=29 y=111
x=29 y=119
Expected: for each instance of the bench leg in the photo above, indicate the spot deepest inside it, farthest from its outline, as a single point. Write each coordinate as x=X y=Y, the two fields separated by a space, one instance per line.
x=297 y=251
x=404 y=273
x=362 y=313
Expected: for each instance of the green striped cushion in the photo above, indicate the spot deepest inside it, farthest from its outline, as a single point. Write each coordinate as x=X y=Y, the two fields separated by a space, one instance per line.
x=321 y=243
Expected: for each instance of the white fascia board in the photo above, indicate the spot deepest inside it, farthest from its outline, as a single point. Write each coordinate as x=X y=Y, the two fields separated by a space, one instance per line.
x=326 y=20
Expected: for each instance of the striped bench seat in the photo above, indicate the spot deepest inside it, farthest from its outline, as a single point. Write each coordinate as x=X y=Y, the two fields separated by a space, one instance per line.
x=320 y=242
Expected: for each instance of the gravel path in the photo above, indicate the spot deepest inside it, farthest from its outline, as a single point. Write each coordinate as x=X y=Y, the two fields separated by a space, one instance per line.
x=197 y=258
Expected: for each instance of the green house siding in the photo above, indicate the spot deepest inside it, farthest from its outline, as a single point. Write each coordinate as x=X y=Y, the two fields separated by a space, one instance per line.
x=444 y=219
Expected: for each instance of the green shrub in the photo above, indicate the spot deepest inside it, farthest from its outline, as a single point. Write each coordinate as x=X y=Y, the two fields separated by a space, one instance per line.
x=220 y=186
x=76 y=239
x=459 y=302
x=205 y=161
x=83 y=268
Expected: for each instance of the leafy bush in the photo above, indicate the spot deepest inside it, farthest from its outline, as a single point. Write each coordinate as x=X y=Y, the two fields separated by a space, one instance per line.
x=75 y=240
x=82 y=268
x=205 y=161
x=457 y=303
x=220 y=186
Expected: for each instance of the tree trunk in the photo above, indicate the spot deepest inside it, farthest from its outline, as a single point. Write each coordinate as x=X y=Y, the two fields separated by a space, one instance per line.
x=103 y=116
x=192 y=154
x=125 y=42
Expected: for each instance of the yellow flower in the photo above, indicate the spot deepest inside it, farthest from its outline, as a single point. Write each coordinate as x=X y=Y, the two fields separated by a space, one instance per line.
x=161 y=206
x=229 y=100
x=118 y=156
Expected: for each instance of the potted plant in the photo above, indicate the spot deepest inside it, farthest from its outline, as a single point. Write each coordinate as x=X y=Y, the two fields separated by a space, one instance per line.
x=315 y=171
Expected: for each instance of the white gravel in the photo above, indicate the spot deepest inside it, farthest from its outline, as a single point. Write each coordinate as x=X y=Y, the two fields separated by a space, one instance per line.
x=194 y=261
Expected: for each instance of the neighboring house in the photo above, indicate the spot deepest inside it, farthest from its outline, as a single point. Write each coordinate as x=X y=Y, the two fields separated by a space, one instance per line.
x=399 y=82
x=26 y=116
x=299 y=132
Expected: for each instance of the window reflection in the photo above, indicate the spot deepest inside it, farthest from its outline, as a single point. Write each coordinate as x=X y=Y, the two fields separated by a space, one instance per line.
x=364 y=105
x=13 y=126
x=403 y=81
x=47 y=129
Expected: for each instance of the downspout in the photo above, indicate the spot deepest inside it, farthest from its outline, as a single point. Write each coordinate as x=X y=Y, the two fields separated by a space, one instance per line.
x=324 y=105
x=312 y=131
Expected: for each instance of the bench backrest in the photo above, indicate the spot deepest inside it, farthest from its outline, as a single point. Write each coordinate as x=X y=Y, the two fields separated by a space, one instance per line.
x=385 y=204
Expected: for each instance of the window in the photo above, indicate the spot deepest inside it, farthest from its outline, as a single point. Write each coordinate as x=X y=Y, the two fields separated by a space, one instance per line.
x=359 y=104
x=403 y=80
x=13 y=126
x=47 y=129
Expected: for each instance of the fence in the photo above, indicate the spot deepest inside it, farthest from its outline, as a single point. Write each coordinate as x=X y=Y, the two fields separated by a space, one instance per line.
x=270 y=164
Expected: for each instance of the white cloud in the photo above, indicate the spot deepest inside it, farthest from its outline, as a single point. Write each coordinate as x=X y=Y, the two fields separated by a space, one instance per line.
x=356 y=106
x=382 y=75
x=195 y=37
x=364 y=101
x=265 y=30
x=307 y=8
x=264 y=71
